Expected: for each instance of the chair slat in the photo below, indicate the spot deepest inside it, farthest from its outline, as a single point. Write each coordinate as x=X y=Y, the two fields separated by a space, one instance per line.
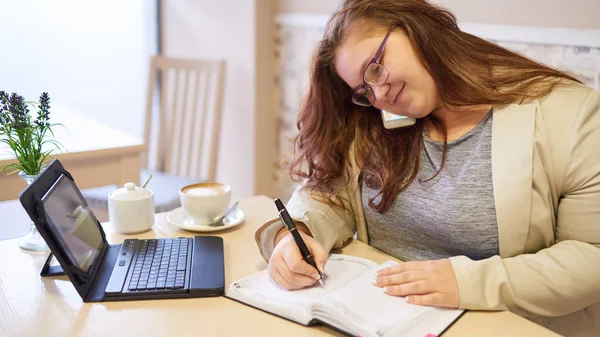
x=163 y=121
x=149 y=111
x=193 y=160
x=183 y=120
x=173 y=147
x=217 y=107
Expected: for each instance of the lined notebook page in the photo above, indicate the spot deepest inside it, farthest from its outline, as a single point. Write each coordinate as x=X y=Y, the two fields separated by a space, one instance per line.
x=365 y=308
x=261 y=291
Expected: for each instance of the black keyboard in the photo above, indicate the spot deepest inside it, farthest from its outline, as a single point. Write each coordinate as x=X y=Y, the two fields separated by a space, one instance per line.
x=160 y=264
x=156 y=265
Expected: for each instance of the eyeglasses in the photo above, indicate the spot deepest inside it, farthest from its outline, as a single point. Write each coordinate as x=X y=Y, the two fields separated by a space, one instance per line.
x=375 y=74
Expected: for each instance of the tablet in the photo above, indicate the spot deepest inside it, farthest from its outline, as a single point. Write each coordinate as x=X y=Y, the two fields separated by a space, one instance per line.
x=72 y=224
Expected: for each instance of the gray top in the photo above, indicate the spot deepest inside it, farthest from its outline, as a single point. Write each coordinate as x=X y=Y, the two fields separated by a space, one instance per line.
x=453 y=214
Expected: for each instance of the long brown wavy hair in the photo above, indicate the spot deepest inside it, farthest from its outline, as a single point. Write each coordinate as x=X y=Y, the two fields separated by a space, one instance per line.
x=467 y=70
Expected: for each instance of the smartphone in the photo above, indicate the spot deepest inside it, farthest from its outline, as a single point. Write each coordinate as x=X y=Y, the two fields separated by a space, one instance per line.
x=391 y=121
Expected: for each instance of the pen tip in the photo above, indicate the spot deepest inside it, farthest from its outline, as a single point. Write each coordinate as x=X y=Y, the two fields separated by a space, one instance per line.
x=322 y=284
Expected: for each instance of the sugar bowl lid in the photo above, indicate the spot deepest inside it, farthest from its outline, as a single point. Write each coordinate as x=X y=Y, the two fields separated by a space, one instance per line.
x=130 y=192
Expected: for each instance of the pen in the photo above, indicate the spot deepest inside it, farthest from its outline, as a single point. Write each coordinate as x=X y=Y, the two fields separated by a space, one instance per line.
x=289 y=224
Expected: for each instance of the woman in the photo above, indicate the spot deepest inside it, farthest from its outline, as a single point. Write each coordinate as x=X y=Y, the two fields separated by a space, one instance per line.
x=492 y=198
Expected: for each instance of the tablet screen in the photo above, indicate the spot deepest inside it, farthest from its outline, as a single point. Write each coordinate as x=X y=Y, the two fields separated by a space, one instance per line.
x=72 y=223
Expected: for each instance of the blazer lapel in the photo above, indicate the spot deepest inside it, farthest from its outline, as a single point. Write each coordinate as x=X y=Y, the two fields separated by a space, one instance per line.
x=512 y=159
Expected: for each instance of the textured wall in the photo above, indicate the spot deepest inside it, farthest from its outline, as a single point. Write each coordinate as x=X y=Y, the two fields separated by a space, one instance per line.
x=556 y=13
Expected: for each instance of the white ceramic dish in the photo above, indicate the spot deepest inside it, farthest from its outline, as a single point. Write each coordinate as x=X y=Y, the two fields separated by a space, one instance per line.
x=179 y=218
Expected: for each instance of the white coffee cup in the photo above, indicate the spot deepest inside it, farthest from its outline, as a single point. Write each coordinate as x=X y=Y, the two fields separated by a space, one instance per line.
x=205 y=203
x=131 y=209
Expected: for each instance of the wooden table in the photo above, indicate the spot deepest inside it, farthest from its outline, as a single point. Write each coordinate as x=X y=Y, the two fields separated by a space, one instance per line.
x=32 y=306
x=97 y=154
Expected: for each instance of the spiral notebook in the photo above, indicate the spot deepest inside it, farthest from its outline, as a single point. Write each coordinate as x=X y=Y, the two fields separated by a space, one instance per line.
x=349 y=302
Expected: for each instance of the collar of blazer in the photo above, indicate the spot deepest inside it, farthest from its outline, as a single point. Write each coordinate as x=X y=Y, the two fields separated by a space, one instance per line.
x=512 y=173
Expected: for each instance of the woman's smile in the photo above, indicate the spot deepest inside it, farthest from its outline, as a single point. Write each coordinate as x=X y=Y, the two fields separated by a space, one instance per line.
x=398 y=95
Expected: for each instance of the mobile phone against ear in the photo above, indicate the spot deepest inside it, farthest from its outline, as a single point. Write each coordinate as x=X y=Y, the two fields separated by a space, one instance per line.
x=391 y=121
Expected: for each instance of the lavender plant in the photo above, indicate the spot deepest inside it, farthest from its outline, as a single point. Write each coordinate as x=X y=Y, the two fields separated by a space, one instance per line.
x=26 y=135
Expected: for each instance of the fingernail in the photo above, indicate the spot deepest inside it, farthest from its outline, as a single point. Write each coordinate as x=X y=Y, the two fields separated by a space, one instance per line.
x=375 y=282
x=316 y=276
x=321 y=267
x=385 y=289
x=407 y=299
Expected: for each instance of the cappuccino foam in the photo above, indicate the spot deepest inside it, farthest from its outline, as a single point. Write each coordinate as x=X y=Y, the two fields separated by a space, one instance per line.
x=204 y=191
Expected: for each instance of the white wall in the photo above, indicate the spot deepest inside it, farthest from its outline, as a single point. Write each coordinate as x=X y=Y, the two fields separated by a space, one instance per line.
x=233 y=30
x=92 y=56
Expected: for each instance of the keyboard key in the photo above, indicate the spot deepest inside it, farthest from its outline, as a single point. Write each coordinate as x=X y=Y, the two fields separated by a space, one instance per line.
x=181 y=264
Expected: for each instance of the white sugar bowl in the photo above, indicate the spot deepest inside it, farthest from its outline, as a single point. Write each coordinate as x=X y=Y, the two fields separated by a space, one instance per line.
x=131 y=209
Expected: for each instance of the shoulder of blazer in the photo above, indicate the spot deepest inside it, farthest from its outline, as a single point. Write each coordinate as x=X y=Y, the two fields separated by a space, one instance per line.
x=558 y=112
x=564 y=101
x=556 y=126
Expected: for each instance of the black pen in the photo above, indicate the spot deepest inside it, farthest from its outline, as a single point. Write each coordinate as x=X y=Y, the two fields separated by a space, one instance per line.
x=289 y=224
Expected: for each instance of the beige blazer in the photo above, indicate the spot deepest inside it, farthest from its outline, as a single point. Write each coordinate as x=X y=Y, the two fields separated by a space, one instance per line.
x=546 y=177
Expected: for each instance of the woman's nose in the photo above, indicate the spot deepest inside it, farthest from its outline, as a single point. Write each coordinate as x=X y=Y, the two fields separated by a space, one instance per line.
x=380 y=91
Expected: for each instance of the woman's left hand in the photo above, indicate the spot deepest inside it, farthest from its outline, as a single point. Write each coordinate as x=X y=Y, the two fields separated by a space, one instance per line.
x=430 y=283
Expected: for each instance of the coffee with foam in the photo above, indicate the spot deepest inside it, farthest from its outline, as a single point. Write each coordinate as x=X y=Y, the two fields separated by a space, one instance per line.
x=208 y=190
x=205 y=203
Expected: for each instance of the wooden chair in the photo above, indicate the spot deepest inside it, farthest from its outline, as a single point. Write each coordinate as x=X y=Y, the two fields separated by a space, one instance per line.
x=181 y=131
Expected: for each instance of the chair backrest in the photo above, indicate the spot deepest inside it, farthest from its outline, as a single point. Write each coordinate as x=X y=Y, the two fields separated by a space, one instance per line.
x=182 y=133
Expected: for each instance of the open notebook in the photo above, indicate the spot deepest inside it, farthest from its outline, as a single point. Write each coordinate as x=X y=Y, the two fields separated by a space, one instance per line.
x=349 y=302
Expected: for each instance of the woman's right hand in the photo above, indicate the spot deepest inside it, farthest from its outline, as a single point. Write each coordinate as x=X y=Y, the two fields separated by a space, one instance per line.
x=289 y=269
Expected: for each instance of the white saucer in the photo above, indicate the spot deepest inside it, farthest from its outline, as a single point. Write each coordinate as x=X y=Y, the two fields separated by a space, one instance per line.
x=179 y=218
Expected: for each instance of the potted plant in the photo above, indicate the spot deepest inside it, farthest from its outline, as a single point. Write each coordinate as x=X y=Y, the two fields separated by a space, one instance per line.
x=26 y=129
